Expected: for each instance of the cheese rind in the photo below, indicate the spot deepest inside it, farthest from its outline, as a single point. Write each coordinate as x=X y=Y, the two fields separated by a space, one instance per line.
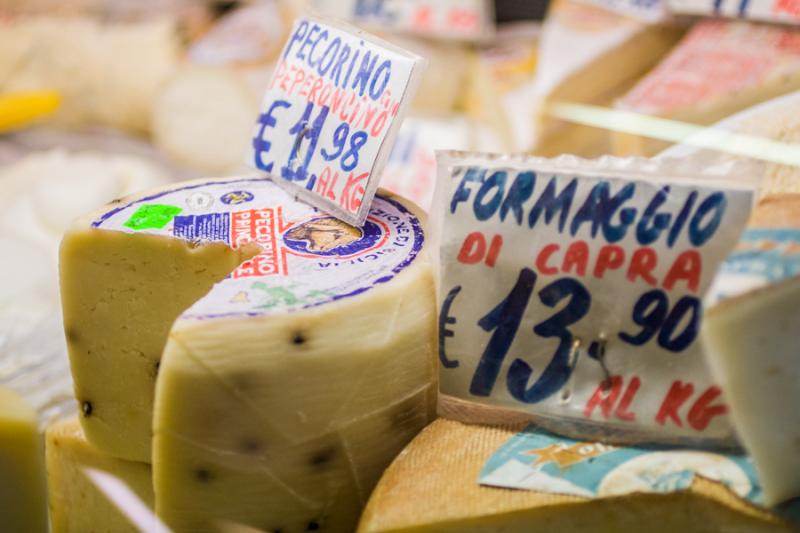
x=433 y=486
x=22 y=489
x=76 y=504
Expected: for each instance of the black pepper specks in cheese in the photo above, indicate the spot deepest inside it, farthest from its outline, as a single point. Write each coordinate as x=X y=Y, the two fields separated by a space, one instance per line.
x=312 y=526
x=323 y=457
x=86 y=408
x=298 y=338
x=202 y=475
x=250 y=445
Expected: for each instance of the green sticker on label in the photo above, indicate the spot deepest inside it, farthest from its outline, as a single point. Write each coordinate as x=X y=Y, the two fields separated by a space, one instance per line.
x=152 y=216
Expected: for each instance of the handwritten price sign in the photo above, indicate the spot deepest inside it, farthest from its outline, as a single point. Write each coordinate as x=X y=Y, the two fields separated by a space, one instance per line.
x=330 y=115
x=783 y=11
x=574 y=293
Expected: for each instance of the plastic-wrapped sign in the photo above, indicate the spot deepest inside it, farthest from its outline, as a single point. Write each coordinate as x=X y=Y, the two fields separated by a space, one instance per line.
x=571 y=290
x=330 y=115
x=468 y=20
x=784 y=11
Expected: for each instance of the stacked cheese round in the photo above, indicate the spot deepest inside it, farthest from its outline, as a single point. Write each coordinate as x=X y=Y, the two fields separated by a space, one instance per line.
x=433 y=486
x=268 y=359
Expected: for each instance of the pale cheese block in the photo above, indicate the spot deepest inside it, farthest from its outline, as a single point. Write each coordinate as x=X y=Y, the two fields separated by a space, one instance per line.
x=433 y=487
x=76 y=504
x=22 y=488
x=719 y=68
x=752 y=347
x=590 y=55
x=282 y=393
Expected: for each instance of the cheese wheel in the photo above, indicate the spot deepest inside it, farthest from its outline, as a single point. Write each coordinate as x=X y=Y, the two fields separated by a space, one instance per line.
x=433 y=486
x=22 y=489
x=298 y=352
x=76 y=504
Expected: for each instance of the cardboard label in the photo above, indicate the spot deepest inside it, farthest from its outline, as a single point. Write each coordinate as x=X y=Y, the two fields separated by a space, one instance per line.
x=471 y=20
x=330 y=115
x=307 y=258
x=573 y=291
x=784 y=11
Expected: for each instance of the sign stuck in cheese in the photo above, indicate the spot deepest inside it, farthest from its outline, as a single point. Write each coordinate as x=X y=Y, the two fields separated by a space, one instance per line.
x=330 y=114
x=573 y=290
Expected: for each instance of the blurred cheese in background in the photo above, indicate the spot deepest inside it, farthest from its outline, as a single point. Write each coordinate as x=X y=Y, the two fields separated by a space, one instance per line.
x=23 y=506
x=203 y=118
x=442 y=86
x=501 y=83
x=42 y=193
x=204 y=113
x=777 y=119
x=719 y=68
x=107 y=74
x=590 y=55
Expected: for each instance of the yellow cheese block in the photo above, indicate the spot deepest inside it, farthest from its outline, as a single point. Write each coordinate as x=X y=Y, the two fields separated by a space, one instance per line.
x=76 y=504
x=433 y=487
x=120 y=295
x=22 y=489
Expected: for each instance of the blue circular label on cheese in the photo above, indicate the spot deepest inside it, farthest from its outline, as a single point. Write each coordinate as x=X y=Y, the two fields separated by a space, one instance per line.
x=308 y=258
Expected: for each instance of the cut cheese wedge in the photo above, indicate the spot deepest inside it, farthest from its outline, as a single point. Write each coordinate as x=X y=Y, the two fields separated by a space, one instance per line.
x=76 y=504
x=720 y=68
x=590 y=55
x=284 y=389
x=433 y=486
x=751 y=343
x=22 y=488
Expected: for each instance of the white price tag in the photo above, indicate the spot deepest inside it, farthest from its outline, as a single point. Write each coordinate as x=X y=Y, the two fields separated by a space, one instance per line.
x=469 y=20
x=330 y=115
x=573 y=291
x=784 y=11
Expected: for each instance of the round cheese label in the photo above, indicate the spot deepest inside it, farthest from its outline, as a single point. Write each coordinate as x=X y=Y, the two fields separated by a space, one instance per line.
x=308 y=258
